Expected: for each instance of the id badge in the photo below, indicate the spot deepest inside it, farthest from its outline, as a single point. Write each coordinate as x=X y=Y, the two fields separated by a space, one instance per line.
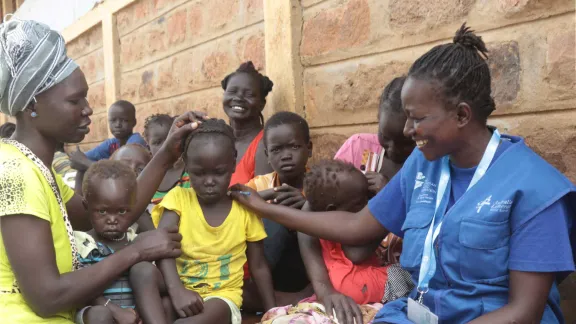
x=420 y=314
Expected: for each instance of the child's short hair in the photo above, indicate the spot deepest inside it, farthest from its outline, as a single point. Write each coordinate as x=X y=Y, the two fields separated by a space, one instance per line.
x=137 y=146
x=127 y=105
x=157 y=119
x=287 y=118
x=107 y=169
x=322 y=183
x=212 y=127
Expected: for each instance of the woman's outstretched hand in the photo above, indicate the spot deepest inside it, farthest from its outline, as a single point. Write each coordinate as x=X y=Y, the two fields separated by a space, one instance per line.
x=158 y=244
x=182 y=126
x=247 y=197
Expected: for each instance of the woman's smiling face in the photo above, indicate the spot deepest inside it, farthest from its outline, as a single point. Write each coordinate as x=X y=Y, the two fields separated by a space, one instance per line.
x=243 y=97
x=430 y=124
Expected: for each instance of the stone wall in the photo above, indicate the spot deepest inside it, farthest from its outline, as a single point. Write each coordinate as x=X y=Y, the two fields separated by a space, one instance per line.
x=350 y=49
x=173 y=54
x=88 y=53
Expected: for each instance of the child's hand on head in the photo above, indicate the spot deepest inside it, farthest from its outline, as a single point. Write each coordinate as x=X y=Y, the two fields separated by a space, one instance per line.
x=181 y=127
x=289 y=196
x=376 y=181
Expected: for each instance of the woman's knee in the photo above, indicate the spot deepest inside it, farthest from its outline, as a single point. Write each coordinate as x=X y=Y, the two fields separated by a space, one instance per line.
x=143 y=271
x=98 y=315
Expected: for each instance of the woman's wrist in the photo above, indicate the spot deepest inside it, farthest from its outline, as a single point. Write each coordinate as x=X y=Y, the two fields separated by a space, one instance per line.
x=132 y=254
x=164 y=158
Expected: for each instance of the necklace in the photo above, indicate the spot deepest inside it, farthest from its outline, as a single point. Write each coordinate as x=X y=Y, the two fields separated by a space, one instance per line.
x=119 y=239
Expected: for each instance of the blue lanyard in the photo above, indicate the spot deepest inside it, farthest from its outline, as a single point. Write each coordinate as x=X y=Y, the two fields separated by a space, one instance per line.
x=428 y=265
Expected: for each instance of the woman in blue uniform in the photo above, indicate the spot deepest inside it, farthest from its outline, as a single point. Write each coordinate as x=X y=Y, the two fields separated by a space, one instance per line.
x=485 y=220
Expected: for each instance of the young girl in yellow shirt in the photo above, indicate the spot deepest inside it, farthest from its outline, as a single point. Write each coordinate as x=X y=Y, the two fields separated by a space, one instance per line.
x=204 y=285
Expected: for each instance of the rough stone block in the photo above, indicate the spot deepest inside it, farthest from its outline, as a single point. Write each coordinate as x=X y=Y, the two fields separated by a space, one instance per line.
x=251 y=48
x=146 y=89
x=405 y=15
x=132 y=50
x=93 y=66
x=129 y=84
x=168 y=81
x=176 y=26
x=254 y=7
x=551 y=135
x=99 y=127
x=195 y=19
x=215 y=66
x=221 y=12
x=134 y=15
x=325 y=146
x=348 y=93
x=156 y=38
x=85 y=43
x=344 y=26
x=97 y=97
x=561 y=63
x=504 y=63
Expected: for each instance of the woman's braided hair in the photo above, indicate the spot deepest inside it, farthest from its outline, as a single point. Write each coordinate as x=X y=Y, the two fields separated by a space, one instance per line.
x=265 y=83
x=461 y=71
x=211 y=127
x=390 y=97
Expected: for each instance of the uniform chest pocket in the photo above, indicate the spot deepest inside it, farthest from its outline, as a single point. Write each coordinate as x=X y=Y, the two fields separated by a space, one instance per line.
x=415 y=228
x=484 y=250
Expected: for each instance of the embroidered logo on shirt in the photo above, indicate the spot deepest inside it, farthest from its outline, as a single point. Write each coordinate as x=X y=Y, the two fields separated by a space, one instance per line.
x=419 y=180
x=485 y=202
x=499 y=206
x=502 y=206
x=427 y=193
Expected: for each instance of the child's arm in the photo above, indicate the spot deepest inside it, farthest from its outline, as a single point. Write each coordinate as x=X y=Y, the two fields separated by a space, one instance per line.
x=346 y=309
x=361 y=253
x=120 y=315
x=145 y=223
x=186 y=302
x=261 y=273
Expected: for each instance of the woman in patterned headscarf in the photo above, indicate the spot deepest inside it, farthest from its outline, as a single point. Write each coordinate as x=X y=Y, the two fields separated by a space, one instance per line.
x=46 y=92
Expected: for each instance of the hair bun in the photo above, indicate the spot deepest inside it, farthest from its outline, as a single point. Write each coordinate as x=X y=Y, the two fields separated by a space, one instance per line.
x=467 y=38
x=248 y=65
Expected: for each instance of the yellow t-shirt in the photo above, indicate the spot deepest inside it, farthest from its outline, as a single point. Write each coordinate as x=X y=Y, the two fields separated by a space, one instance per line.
x=212 y=257
x=24 y=190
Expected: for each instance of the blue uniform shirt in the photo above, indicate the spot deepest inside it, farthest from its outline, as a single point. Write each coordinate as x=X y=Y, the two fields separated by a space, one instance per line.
x=109 y=146
x=517 y=217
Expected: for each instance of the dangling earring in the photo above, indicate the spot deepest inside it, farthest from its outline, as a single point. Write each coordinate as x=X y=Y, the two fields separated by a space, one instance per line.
x=34 y=114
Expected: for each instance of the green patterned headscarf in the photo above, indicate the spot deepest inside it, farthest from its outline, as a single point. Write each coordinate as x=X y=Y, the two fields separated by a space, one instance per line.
x=32 y=60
